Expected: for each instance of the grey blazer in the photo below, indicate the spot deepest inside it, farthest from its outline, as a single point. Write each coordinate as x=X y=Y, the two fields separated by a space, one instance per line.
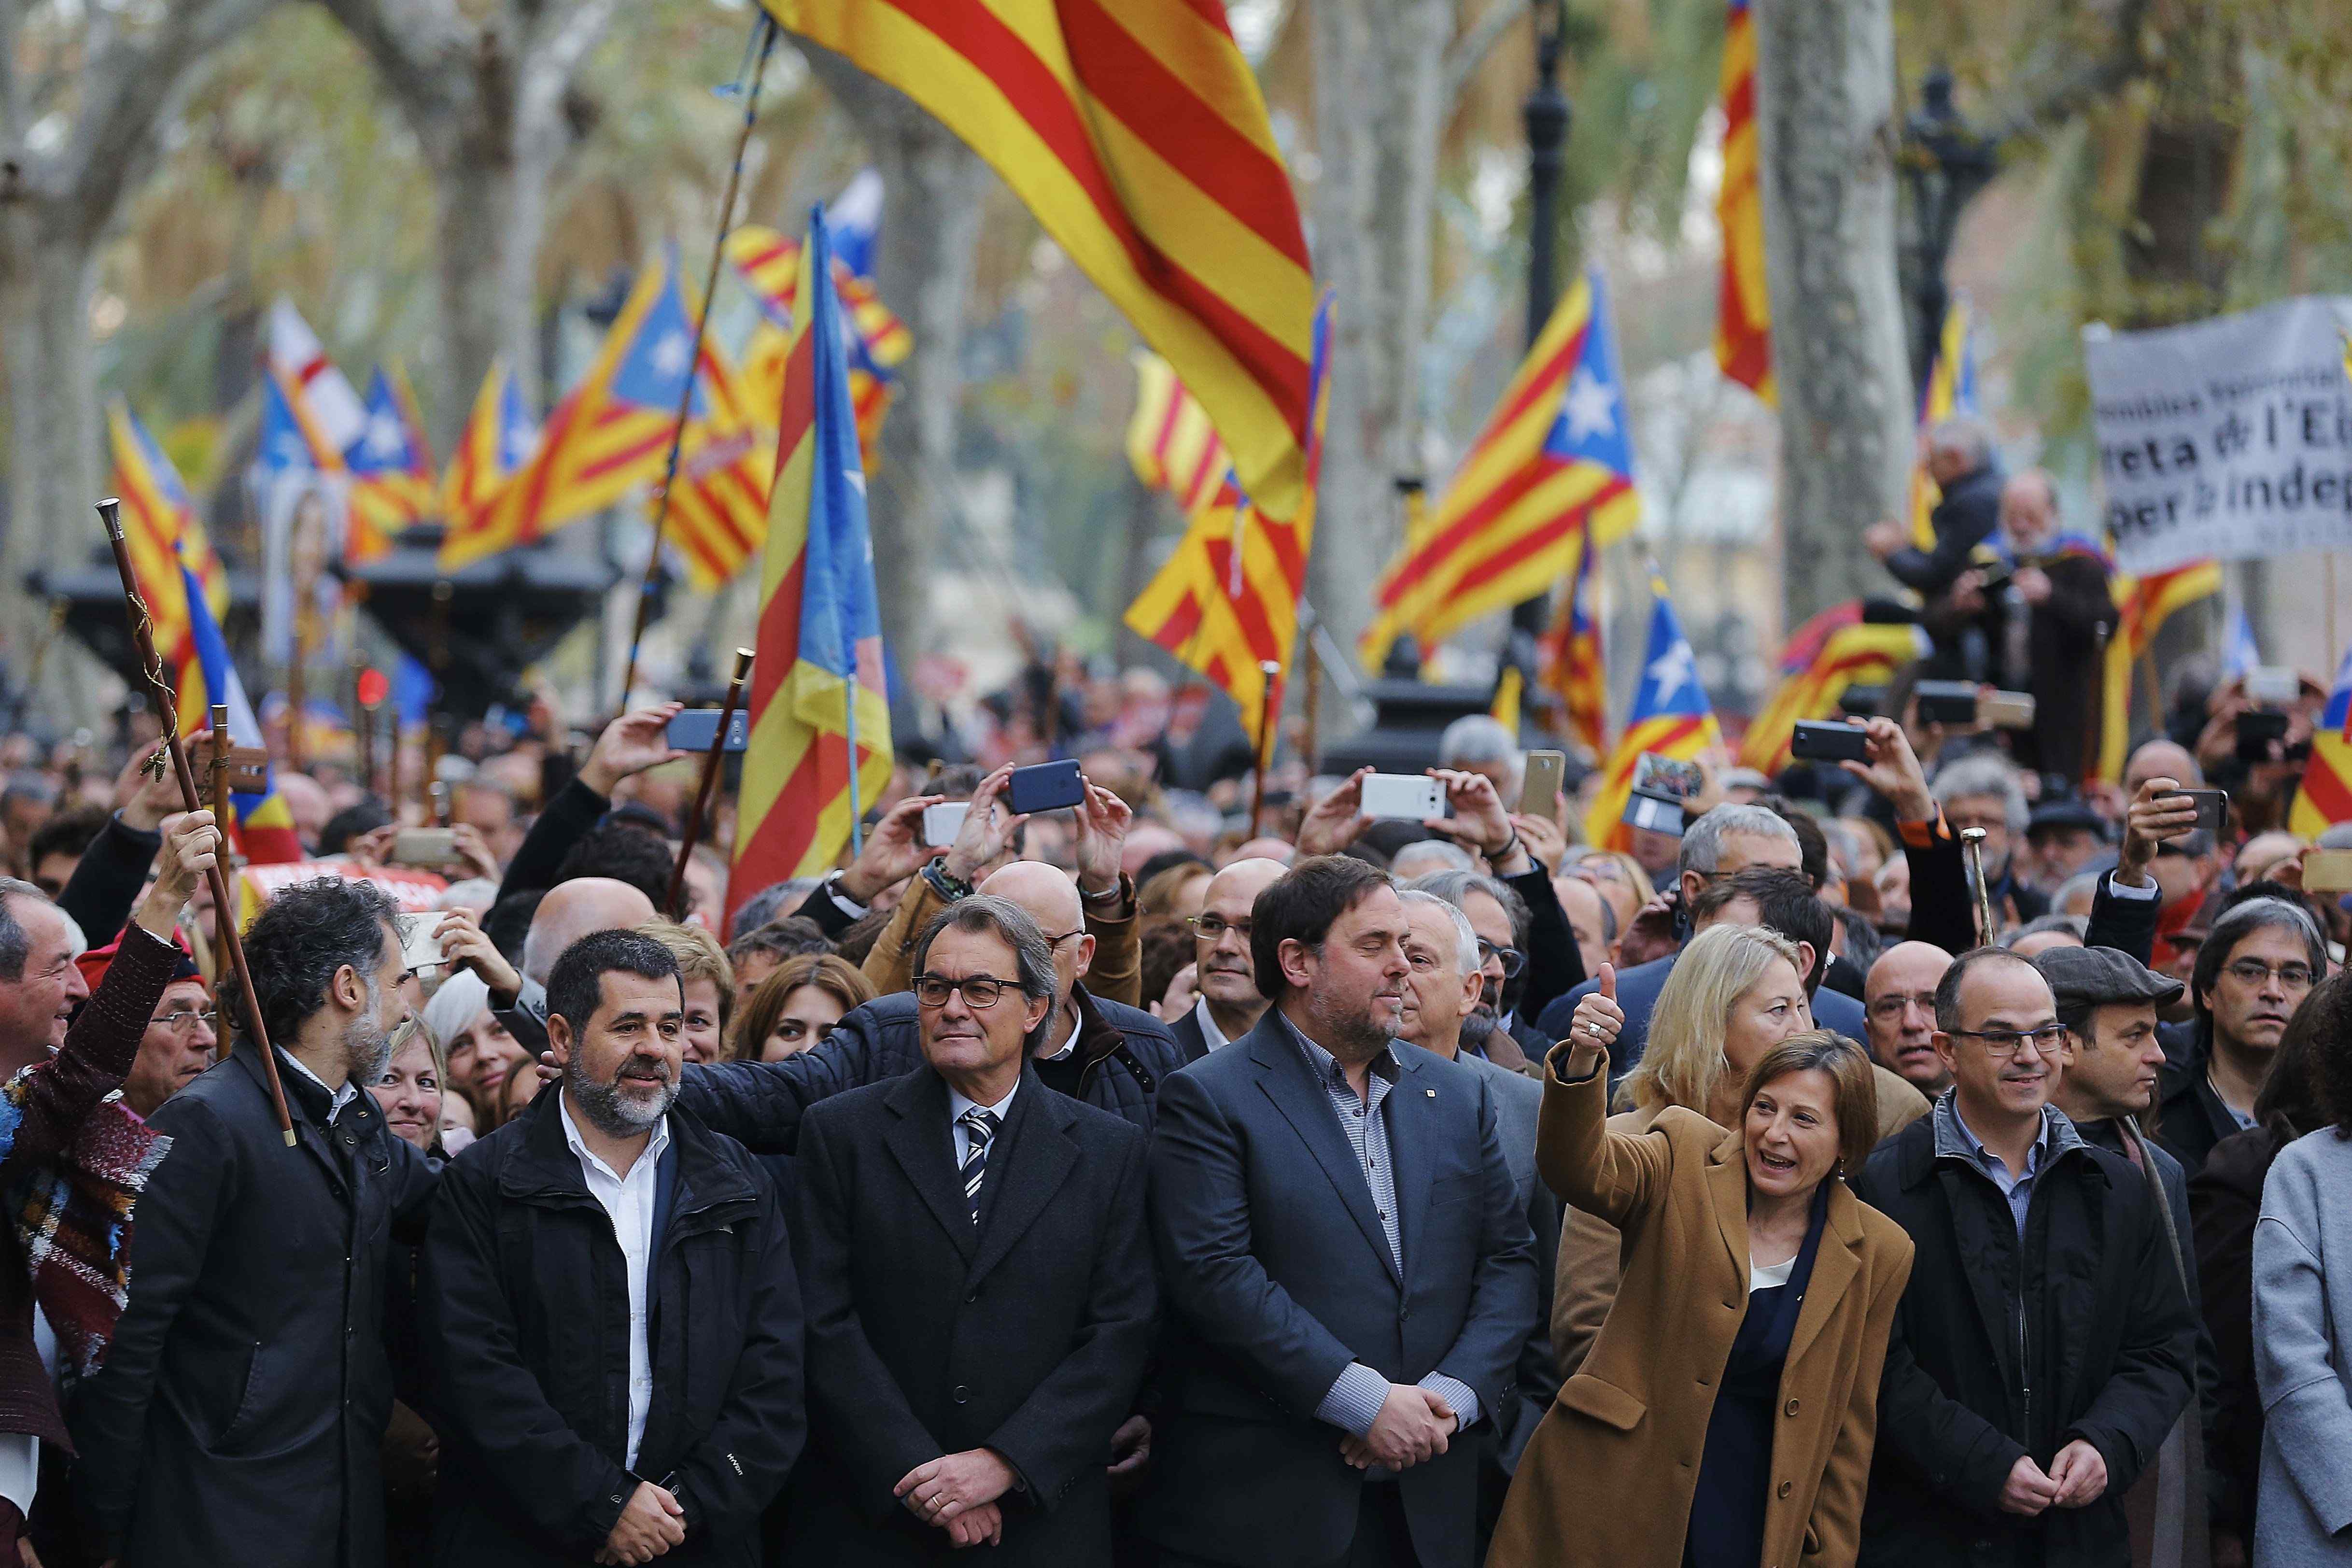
x=2302 y=1310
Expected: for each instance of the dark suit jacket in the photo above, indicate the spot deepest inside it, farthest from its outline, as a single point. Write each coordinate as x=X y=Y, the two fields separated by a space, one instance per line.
x=1278 y=1276
x=926 y=1335
x=1189 y=1038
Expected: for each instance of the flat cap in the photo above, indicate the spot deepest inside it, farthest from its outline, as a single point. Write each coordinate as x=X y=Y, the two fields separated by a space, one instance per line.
x=2065 y=811
x=2095 y=976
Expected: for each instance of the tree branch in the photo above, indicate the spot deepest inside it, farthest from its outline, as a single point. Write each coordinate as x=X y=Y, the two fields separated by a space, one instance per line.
x=557 y=45
x=2076 y=89
x=1468 y=52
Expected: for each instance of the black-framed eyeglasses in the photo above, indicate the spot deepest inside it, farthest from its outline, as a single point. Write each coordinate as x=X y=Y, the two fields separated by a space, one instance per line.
x=2253 y=972
x=183 y=1020
x=1214 y=926
x=979 y=991
x=1512 y=958
x=1053 y=940
x=2008 y=1042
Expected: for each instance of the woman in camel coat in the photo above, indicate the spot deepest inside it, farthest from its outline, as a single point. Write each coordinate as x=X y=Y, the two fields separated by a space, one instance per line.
x=1726 y=1415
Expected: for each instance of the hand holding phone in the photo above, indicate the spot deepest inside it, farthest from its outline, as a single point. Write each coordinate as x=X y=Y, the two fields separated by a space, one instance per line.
x=1816 y=739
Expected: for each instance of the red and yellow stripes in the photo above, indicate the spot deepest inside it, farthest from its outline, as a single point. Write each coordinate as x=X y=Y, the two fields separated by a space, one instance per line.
x=1135 y=133
x=1679 y=736
x=1743 y=312
x=718 y=504
x=1171 y=444
x=161 y=527
x=1572 y=666
x=2142 y=606
x=1856 y=654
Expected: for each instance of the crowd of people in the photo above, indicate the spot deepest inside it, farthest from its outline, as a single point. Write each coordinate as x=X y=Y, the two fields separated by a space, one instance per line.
x=1142 y=1183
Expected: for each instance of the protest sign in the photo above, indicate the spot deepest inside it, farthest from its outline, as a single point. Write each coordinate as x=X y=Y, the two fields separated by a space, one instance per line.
x=2227 y=437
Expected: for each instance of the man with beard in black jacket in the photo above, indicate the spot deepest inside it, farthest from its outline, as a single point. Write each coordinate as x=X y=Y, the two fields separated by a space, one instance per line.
x=243 y=1402
x=2045 y=1345
x=609 y=1314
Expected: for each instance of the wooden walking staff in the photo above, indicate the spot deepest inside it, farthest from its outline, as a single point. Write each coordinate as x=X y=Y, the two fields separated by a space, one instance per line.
x=170 y=752
x=714 y=762
x=218 y=771
x=1972 y=841
x=1268 y=711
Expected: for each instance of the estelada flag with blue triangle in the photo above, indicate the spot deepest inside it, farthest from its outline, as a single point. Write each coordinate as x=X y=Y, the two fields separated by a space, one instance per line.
x=2325 y=796
x=610 y=435
x=497 y=440
x=1554 y=462
x=263 y=826
x=820 y=747
x=1671 y=716
x=392 y=472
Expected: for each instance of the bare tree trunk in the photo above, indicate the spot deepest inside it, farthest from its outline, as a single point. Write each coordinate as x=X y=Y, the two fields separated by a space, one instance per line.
x=1825 y=110
x=934 y=187
x=488 y=100
x=54 y=423
x=1379 y=97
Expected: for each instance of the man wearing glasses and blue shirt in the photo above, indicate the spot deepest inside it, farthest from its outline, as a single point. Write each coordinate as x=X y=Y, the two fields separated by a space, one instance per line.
x=2045 y=1343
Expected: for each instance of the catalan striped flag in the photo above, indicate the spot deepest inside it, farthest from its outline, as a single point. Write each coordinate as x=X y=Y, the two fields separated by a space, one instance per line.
x=1570 y=658
x=1951 y=393
x=769 y=264
x=1743 y=310
x=719 y=503
x=609 y=436
x=818 y=698
x=1670 y=716
x=261 y=825
x=161 y=527
x=1171 y=444
x=1836 y=649
x=1554 y=463
x=1228 y=600
x=2324 y=798
x=497 y=440
x=1135 y=133
x=392 y=472
x=2142 y=606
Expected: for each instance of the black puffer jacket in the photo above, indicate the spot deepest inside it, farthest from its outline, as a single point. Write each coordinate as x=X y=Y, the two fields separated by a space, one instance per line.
x=1989 y=1360
x=1126 y=1053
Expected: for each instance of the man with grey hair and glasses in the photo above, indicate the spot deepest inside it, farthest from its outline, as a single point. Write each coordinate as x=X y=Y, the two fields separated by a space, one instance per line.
x=2257 y=964
x=1949 y=575
x=980 y=1288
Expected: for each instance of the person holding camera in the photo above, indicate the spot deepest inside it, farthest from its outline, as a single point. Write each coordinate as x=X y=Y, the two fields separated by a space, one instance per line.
x=2057 y=600
x=1949 y=578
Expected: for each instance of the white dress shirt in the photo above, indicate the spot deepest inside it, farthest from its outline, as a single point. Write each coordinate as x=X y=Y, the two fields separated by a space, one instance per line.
x=629 y=1201
x=1211 y=1035
x=957 y=1105
x=336 y=1098
x=1069 y=1044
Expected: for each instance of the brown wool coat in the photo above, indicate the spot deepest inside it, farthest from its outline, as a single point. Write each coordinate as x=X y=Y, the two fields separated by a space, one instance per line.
x=1608 y=1477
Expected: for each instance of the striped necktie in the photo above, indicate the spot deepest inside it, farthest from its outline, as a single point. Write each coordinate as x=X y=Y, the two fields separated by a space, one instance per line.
x=979 y=1132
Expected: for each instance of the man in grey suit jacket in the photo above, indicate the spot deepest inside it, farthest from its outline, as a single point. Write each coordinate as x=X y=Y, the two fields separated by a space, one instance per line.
x=1441 y=999
x=1345 y=1258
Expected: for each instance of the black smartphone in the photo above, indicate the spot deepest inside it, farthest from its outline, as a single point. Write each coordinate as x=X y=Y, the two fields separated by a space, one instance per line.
x=1823 y=740
x=2258 y=729
x=1046 y=786
x=694 y=730
x=2213 y=809
x=1947 y=702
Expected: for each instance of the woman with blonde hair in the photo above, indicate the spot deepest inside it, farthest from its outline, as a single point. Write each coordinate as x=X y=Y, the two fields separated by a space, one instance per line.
x=1736 y=992
x=708 y=981
x=1729 y=1414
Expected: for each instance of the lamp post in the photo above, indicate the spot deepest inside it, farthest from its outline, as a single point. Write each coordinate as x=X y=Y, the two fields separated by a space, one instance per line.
x=1946 y=163
x=1548 y=115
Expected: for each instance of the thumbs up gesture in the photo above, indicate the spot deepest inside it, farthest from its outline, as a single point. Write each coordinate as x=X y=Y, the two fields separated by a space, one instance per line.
x=1596 y=1025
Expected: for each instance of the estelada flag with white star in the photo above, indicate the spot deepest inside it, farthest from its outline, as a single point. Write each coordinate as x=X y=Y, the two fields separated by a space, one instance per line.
x=391 y=469
x=1671 y=716
x=820 y=748
x=609 y=436
x=1554 y=462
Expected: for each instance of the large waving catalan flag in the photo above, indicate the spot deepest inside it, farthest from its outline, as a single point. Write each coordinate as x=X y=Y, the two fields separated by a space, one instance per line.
x=609 y=436
x=261 y=825
x=1554 y=462
x=1836 y=649
x=1228 y=601
x=817 y=689
x=1743 y=310
x=392 y=472
x=769 y=266
x=1135 y=132
x=1951 y=393
x=2325 y=796
x=2142 y=606
x=1671 y=716
x=1571 y=664
x=160 y=528
x=718 y=502
x=1171 y=444
x=497 y=440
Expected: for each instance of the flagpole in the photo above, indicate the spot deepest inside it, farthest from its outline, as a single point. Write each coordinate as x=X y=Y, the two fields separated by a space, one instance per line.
x=714 y=763
x=849 y=724
x=1269 y=694
x=766 y=30
x=219 y=783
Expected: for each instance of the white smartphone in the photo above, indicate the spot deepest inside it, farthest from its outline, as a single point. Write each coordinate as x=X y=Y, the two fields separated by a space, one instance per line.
x=419 y=948
x=1408 y=795
x=942 y=822
x=2274 y=685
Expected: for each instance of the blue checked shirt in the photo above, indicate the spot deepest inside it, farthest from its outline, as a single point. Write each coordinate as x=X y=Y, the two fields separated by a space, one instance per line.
x=1354 y=1401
